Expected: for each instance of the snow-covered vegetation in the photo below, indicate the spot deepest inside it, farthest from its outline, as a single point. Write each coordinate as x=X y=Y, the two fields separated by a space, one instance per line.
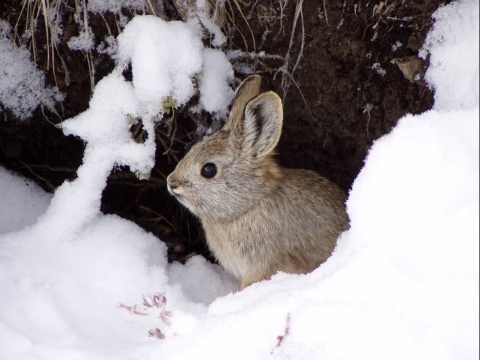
x=22 y=86
x=403 y=282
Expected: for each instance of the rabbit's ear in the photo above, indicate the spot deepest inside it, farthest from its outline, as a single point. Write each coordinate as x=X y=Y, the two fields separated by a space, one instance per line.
x=262 y=125
x=248 y=89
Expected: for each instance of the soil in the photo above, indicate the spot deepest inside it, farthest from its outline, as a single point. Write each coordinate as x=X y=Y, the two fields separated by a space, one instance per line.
x=357 y=75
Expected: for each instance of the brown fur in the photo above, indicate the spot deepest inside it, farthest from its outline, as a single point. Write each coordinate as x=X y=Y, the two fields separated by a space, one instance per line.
x=258 y=218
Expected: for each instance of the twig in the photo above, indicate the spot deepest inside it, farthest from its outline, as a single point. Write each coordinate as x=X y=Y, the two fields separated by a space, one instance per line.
x=248 y=25
x=47 y=183
x=280 y=338
x=284 y=69
x=172 y=137
x=282 y=9
x=303 y=98
x=48 y=167
x=232 y=21
x=325 y=12
x=159 y=217
x=234 y=56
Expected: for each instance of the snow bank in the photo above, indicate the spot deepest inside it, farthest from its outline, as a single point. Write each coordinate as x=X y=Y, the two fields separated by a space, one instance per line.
x=403 y=282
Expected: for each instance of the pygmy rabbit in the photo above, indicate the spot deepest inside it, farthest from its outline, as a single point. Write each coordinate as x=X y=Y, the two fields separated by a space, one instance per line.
x=258 y=217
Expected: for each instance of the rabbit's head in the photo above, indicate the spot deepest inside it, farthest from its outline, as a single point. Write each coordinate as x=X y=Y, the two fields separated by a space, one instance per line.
x=224 y=175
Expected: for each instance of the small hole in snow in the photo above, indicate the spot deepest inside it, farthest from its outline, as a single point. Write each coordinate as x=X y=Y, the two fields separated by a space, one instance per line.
x=137 y=130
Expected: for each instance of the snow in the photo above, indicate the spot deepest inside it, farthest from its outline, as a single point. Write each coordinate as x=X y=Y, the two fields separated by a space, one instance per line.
x=454 y=68
x=115 y=6
x=216 y=95
x=403 y=282
x=378 y=69
x=16 y=214
x=161 y=71
x=22 y=86
x=203 y=7
x=85 y=41
x=396 y=46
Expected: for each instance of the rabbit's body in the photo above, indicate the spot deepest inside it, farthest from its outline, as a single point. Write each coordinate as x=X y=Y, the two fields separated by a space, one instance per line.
x=292 y=228
x=258 y=218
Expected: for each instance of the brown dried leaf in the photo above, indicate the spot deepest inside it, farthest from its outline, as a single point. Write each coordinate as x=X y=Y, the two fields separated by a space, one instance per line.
x=156 y=333
x=411 y=66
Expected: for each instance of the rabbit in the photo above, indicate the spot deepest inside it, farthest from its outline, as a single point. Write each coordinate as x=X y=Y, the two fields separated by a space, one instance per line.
x=258 y=217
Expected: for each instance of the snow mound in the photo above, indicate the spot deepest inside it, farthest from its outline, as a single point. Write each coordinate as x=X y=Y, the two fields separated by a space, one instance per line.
x=426 y=174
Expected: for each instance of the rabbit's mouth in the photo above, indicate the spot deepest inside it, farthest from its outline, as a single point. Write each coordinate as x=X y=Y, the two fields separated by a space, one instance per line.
x=173 y=190
x=178 y=194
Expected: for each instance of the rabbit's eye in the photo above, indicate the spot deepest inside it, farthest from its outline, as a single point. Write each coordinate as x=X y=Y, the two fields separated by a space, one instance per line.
x=209 y=170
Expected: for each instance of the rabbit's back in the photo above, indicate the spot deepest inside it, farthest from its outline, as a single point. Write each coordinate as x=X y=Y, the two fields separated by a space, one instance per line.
x=292 y=228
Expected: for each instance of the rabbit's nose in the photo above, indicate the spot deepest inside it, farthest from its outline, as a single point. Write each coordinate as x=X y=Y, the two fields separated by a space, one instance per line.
x=170 y=179
x=171 y=188
x=172 y=184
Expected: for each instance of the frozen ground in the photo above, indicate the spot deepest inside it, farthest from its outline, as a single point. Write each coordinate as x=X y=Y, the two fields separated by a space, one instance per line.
x=403 y=282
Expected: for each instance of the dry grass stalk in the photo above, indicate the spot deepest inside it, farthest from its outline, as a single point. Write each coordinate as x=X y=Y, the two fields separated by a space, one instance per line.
x=287 y=75
x=32 y=10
